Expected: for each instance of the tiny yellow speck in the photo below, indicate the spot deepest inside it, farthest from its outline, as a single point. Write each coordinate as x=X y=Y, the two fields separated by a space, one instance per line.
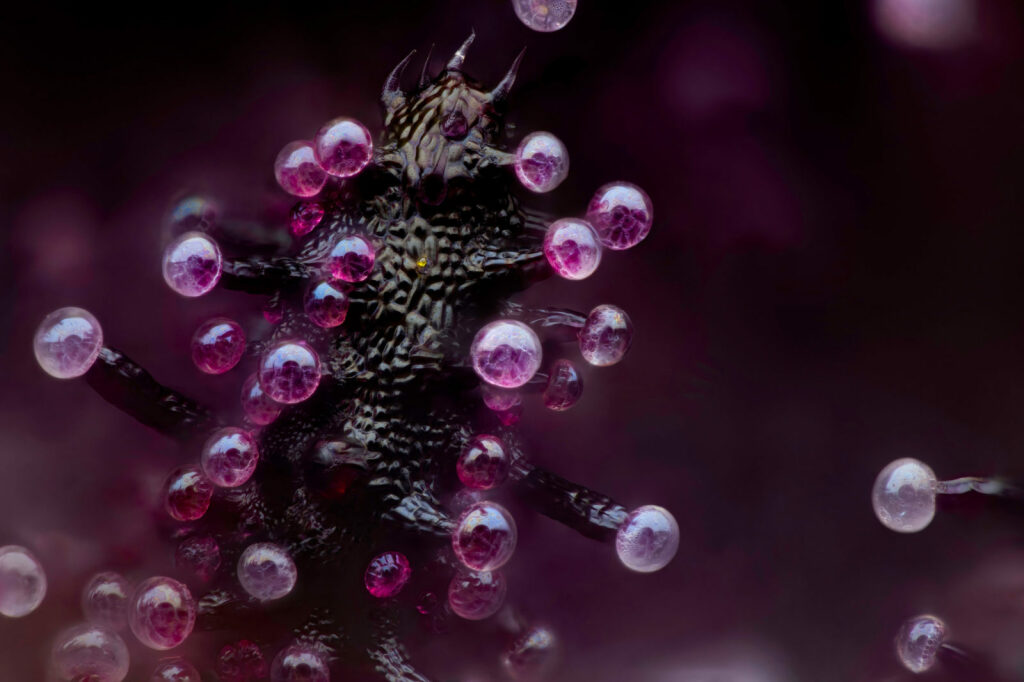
x=422 y=262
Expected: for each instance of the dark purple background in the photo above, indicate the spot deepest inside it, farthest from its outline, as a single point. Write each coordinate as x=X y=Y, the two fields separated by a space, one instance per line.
x=834 y=279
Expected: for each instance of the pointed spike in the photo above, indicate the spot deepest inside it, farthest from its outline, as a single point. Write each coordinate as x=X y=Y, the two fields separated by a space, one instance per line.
x=425 y=73
x=501 y=90
x=455 y=63
x=392 y=94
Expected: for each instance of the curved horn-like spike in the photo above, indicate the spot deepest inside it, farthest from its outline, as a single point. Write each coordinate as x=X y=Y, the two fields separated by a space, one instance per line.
x=392 y=94
x=425 y=73
x=500 y=92
x=455 y=63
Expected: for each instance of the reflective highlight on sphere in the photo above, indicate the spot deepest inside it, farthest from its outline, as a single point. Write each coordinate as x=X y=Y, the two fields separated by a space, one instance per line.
x=484 y=463
x=485 y=536
x=289 y=372
x=299 y=663
x=387 y=574
x=918 y=642
x=105 y=600
x=218 y=345
x=506 y=353
x=90 y=652
x=352 y=258
x=475 y=595
x=193 y=214
x=67 y=342
x=930 y=24
x=904 y=495
x=187 y=494
x=541 y=162
x=200 y=555
x=22 y=582
x=606 y=335
x=192 y=264
x=572 y=248
x=500 y=399
x=343 y=147
x=297 y=170
x=305 y=216
x=176 y=670
x=565 y=386
x=622 y=214
x=258 y=407
x=648 y=539
x=266 y=571
x=532 y=655
x=229 y=457
x=326 y=305
x=545 y=15
x=163 y=613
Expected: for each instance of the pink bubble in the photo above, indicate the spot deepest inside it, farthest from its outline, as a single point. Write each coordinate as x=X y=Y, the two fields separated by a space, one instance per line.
x=192 y=264
x=565 y=386
x=325 y=304
x=266 y=571
x=289 y=372
x=258 y=407
x=648 y=539
x=163 y=613
x=305 y=216
x=218 y=345
x=475 y=595
x=187 y=494
x=175 y=670
x=484 y=463
x=387 y=574
x=105 y=600
x=89 y=652
x=67 y=342
x=297 y=170
x=506 y=353
x=229 y=457
x=572 y=248
x=299 y=663
x=541 y=162
x=343 y=147
x=622 y=215
x=545 y=15
x=485 y=536
x=606 y=335
x=352 y=258
x=22 y=582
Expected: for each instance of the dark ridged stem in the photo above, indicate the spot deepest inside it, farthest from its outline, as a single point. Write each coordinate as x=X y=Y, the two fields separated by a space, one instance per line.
x=263 y=275
x=588 y=512
x=562 y=324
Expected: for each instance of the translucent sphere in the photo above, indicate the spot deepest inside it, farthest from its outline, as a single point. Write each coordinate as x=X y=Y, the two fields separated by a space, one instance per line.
x=622 y=214
x=918 y=642
x=506 y=353
x=532 y=655
x=297 y=170
x=541 y=162
x=258 y=407
x=266 y=571
x=90 y=652
x=162 y=613
x=565 y=386
x=305 y=216
x=67 y=342
x=326 y=305
x=175 y=670
x=484 y=463
x=105 y=600
x=387 y=574
x=352 y=258
x=606 y=335
x=904 y=495
x=343 y=147
x=193 y=214
x=289 y=372
x=475 y=595
x=229 y=457
x=22 y=582
x=545 y=15
x=299 y=663
x=485 y=536
x=187 y=494
x=192 y=264
x=200 y=555
x=572 y=248
x=648 y=539
x=218 y=345
x=241 y=661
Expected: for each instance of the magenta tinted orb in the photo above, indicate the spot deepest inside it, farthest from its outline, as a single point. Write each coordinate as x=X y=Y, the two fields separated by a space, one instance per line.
x=200 y=555
x=532 y=655
x=266 y=571
x=305 y=216
x=299 y=663
x=258 y=407
x=352 y=258
x=187 y=494
x=484 y=463
x=485 y=536
x=192 y=264
x=22 y=582
x=105 y=600
x=648 y=539
x=475 y=595
x=506 y=353
x=918 y=642
x=606 y=335
x=67 y=342
x=622 y=214
x=500 y=399
x=218 y=345
x=572 y=248
x=297 y=170
x=904 y=495
x=162 y=613
x=343 y=147
x=229 y=457
x=544 y=15
x=175 y=670
x=289 y=372
x=387 y=574
x=565 y=386
x=90 y=652
x=541 y=162
x=326 y=305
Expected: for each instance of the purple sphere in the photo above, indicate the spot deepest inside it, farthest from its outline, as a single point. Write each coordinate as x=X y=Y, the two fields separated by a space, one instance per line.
x=163 y=613
x=193 y=214
x=229 y=457
x=484 y=463
x=199 y=555
x=500 y=399
x=648 y=539
x=544 y=15
x=297 y=170
x=475 y=595
x=326 y=305
x=352 y=258
x=622 y=214
x=918 y=642
x=175 y=670
x=343 y=147
x=90 y=652
x=105 y=600
x=506 y=353
x=305 y=216
x=289 y=372
x=192 y=264
x=565 y=386
x=485 y=536
x=542 y=162
x=606 y=335
x=258 y=407
x=903 y=496
x=266 y=571
x=218 y=345
x=299 y=663
x=387 y=574
x=67 y=342
x=22 y=582
x=572 y=248
x=187 y=494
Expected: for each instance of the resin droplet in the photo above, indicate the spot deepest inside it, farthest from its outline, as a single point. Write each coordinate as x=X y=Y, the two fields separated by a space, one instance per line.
x=305 y=216
x=200 y=555
x=532 y=655
x=387 y=574
x=105 y=600
x=326 y=305
x=565 y=386
x=300 y=663
x=258 y=407
x=298 y=171
x=176 y=670
x=22 y=582
x=218 y=345
x=506 y=353
x=648 y=539
x=241 y=662
x=163 y=613
x=187 y=494
x=67 y=342
x=904 y=495
x=484 y=463
x=485 y=536
x=572 y=248
x=289 y=372
x=266 y=571
x=475 y=595
x=918 y=642
x=542 y=162
x=545 y=15
x=606 y=335
x=229 y=457
x=192 y=264
x=90 y=652
x=622 y=214
x=352 y=258
x=343 y=147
